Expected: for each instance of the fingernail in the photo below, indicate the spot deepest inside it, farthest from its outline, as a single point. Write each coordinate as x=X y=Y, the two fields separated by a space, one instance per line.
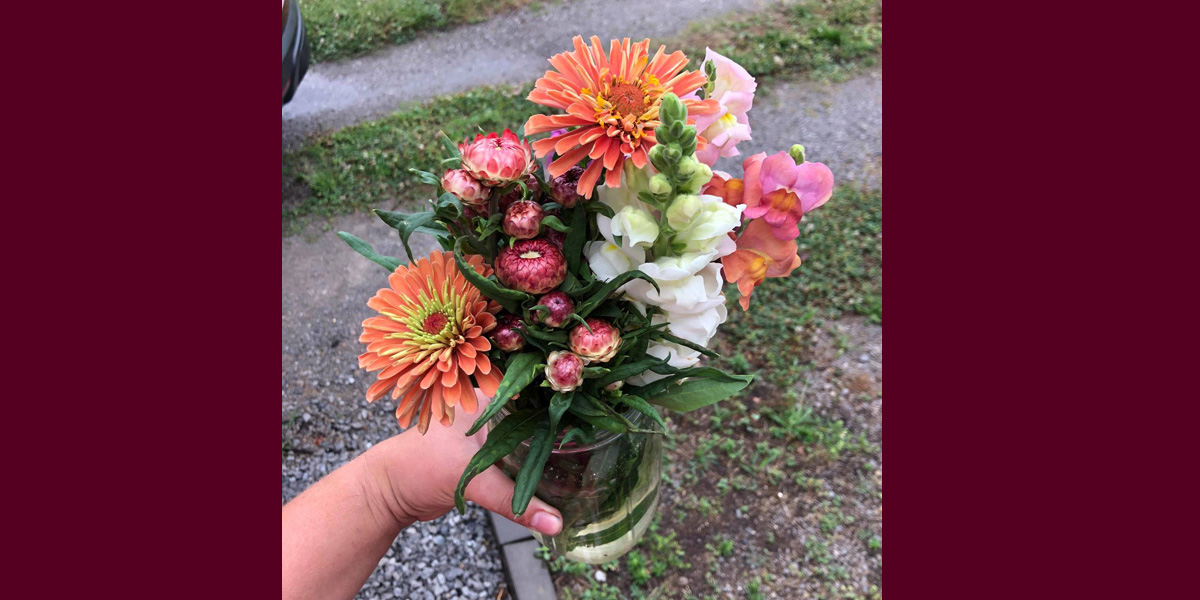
x=547 y=523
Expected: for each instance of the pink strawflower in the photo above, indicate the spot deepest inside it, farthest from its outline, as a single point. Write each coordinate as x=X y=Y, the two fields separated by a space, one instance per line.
x=598 y=341
x=733 y=89
x=523 y=219
x=497 y=159
x=467 y=188
x=780 y=191
x=564 y=370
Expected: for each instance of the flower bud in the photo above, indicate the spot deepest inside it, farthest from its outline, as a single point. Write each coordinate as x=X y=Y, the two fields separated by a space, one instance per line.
x=600 y=344
x=523 y=219
x=681 y=211
x=672 y=154
x=497 y=159
x=614 y=386
x=467 y=188
x=533 y=266
x=562 y=188
x=699 y=179
x=564 y=371
x=637 y=226
x=687 y=166
x=505 y=334
x=797 y=154
x=659 y=186
x=559 y=308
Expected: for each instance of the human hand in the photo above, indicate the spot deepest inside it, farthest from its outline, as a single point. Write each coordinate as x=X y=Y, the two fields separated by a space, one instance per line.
x=417 y=475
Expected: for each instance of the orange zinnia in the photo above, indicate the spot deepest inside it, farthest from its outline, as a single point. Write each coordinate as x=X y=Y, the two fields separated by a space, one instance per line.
x=429 y=340
x=612 y=101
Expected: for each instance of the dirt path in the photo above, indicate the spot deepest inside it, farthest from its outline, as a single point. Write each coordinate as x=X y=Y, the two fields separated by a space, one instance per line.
x=507 y=49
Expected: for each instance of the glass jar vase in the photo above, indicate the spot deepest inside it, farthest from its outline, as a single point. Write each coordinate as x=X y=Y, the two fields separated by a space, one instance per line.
x=607 y=491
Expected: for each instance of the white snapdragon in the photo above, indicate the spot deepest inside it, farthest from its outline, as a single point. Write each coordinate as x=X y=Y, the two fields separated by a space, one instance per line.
x=636 y=225
x=689 y=294
x=710 y=224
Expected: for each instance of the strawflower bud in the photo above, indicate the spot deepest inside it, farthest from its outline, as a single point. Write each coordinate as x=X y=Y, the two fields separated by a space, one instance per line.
x=523 y=219
x=559 y=305
x=564 y=371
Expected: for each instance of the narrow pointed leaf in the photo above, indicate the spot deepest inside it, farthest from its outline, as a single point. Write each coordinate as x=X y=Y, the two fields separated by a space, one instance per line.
x=501 y=441
x=520 y=374
x=366 y=250
x=573 y=245
x=531 y=470
x=587 y=306
x=698 y=393
x=510 y=299
x=640 y=405
x=688 y=344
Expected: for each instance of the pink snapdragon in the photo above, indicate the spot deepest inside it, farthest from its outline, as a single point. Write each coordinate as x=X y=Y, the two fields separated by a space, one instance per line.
x=781 y=191
x=733 y=89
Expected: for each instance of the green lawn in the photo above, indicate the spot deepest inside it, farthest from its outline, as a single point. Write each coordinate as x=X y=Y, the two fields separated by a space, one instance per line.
x=343 y=28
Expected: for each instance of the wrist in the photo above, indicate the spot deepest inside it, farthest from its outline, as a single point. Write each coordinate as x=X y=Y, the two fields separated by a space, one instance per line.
x=375 y=478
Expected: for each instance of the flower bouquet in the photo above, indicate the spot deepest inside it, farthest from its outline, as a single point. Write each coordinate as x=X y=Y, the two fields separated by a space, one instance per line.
x=581 y=293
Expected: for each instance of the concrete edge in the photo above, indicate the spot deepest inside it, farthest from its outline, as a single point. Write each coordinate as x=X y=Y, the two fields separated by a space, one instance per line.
x=526 y=575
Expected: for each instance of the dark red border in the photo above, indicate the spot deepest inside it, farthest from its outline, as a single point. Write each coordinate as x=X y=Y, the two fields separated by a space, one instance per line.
x=143 y=313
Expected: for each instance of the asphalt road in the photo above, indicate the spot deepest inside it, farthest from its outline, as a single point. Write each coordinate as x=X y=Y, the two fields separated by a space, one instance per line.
x=507 y=49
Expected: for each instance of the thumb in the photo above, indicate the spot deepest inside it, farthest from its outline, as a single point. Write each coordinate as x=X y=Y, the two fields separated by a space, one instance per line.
x=493 y=490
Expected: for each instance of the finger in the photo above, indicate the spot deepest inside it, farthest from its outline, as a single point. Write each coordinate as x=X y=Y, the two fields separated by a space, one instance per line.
x=493 y=490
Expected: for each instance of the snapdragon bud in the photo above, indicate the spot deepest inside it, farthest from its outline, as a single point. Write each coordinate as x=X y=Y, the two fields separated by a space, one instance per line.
x=681 y=211
x=797 y=154
x=659 y=186
x=699 y=179
x=687 y=166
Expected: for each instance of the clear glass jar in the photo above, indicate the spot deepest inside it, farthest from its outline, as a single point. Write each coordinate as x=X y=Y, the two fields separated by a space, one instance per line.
x=607 y=491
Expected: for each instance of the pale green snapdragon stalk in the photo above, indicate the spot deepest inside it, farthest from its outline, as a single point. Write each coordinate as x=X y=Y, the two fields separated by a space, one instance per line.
x=665 y=228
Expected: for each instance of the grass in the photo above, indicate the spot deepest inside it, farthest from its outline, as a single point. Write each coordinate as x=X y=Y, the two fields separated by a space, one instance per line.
x=367 y=165
x=824 y=38
x=345 y=28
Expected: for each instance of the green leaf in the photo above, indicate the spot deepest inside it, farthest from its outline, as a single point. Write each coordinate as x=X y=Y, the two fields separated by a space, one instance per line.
x=626 y=371
x=531 y=470
x=600 y=207
x=694 y=346
x=554 y=336
x=698 y=393
x=450 y=147
x=639 y=404
x=539 y=451
x=586 y=307
x=501 y=441
x=510 y=299
x=408 y=224
x=519 y=374
x=552 y=222
x=573 y=245
x=590 y=410
x=582 y=431
x=426 y=177
x=366 y=250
